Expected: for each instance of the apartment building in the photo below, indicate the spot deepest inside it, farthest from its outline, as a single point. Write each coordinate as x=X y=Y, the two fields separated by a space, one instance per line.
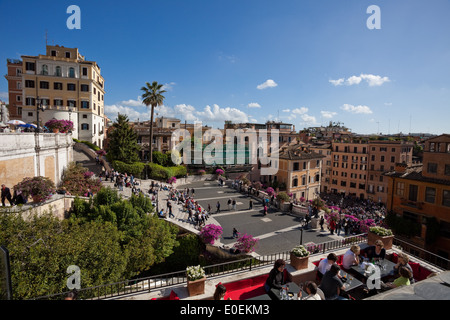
x=300 y=171
x=14 y=78
x=68 y=86
x=325 y=150
x=417 y=193
x=358 y=167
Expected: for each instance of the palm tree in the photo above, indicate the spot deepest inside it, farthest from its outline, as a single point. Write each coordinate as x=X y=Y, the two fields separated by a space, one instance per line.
x=153 y=97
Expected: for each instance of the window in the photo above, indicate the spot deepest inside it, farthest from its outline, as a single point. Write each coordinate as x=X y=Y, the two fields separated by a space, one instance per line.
x=382 y=158
x=18 y=98
x=57 y=86
x=29 y=83
x=447 y=170
x=30 y=101
x=296 y=166
x=303 y=180
x=45 y=70
x=432 y=147
x=67 y=54
x=85 y=71
x=58 y=102
x=71 y=103
x=84 y=87
x=393 y=159
x=30 y=66
x=400 y=188
x=58 y=71
x=432 y=167
x=44 y=85
x=71 y=87
x=85 y=104
x=295 y=182
x=413 y=192
x=53 y=53
x=430 y=195
x=343 y=183
x=84 y=126
x=71 y=73
x=446 y=198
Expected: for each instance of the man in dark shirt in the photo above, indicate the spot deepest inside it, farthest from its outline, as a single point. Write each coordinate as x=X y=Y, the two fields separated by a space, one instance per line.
x=6 y=194
x=331 y=285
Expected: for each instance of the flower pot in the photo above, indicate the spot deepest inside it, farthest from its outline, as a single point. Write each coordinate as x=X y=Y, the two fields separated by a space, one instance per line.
x=299 y=263
x=36 y=199
x=55 y=130
x=387 y=240
x=196 y=287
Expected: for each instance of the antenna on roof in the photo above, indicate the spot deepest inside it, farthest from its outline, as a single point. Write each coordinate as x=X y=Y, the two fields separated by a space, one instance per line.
x=46 y=38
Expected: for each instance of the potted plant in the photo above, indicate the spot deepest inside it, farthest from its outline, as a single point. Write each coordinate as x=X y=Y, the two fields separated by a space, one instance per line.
x=299 y=257
x=195 y=280
x=39 y=188
x=380 y=233
x=210 y=233
x=62 y=126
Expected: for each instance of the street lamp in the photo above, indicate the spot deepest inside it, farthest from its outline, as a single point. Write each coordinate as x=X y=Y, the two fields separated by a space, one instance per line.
x=70 y=114
x=39 y=107
x=302 y=226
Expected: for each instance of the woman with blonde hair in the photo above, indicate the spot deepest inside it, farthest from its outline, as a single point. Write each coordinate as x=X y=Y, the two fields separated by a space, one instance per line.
x=376 y=252
x=351 y=257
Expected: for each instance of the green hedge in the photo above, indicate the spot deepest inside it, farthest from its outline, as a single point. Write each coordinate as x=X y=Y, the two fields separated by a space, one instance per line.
x=89 y=144
x=155 y=171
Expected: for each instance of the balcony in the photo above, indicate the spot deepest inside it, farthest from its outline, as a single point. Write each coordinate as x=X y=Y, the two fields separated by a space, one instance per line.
x=244 y=270
x=410 y=203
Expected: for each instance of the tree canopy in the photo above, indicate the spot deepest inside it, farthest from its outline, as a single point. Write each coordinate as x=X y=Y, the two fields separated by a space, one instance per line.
x=123 y=144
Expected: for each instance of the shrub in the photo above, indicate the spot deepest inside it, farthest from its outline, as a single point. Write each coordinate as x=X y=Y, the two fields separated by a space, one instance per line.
x=136 y=168
x=282 y=196
x=270 y=191
x=246 y=243
x=220 y=172
x=300 y=251
x=195 y=273
x=77 y=180
x=61 y=125
x=40 y=188
x=211 y=233
x=383 y=232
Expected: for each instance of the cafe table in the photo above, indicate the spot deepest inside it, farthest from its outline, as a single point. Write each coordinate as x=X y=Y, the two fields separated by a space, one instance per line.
x=293 y=290
x=350 y=282
x=386 y=267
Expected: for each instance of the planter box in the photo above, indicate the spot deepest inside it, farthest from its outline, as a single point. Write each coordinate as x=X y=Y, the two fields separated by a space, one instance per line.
x=299 y=263
x=196 y=287
x=387 y=240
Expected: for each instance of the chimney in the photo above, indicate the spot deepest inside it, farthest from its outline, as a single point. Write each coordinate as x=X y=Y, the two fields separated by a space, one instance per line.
x=400 y=167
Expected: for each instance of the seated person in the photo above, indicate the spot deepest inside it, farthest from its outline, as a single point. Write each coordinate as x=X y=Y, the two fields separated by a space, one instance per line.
x=331 y=285
x=325 y=264
x=376 y=252
x=351 y=257
x=403 y=280
x=161 y=213
x=403 y=260
x=276 y=276
x=311 y=290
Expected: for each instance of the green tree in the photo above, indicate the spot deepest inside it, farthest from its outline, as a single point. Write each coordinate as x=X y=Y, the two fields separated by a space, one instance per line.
x=153 y=97
x=123 y=144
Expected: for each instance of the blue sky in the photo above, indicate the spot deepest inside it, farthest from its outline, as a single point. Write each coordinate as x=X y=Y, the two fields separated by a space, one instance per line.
x=298 y=61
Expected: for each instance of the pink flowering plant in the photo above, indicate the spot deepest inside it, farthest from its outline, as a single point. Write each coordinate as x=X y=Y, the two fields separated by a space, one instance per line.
x=246 y=243
x=77 y=180
x=172 y=180
x=332 y=216
x=40 y=188
x=365 y=225
x=270 y=191
x=61 y=125
x=220 y=172
x=210 y=233
x=101 y=152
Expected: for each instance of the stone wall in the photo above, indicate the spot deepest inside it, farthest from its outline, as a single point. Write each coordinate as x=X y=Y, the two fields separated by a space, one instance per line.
x=29 y=155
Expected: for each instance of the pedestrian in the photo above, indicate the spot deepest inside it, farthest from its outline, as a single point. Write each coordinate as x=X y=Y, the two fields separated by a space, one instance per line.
x=229 y=204
x=169 y=208
x=6 y=194
x=250 y=205
x=209 y=208
x=265 y=210
x=235 y=233
x=218 y=207
x=234 y=204
x=322 y=221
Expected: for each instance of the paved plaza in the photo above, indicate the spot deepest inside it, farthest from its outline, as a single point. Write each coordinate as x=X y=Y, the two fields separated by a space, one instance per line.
x=276 y=232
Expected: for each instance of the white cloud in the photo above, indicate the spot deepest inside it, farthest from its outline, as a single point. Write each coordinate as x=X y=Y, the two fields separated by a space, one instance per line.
x=338 y=82
x=328 y=114
x=133 y=103
x=218 y=114
x=353 y=80
x=168 y=86
x=358 y=109
x=254 y=105
x=311 y=120
x=4 y=96
x=286 y=110
x=267 y=84
x=111 y=112
x=186 y=111
x=372 y=80
x=301 y=110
